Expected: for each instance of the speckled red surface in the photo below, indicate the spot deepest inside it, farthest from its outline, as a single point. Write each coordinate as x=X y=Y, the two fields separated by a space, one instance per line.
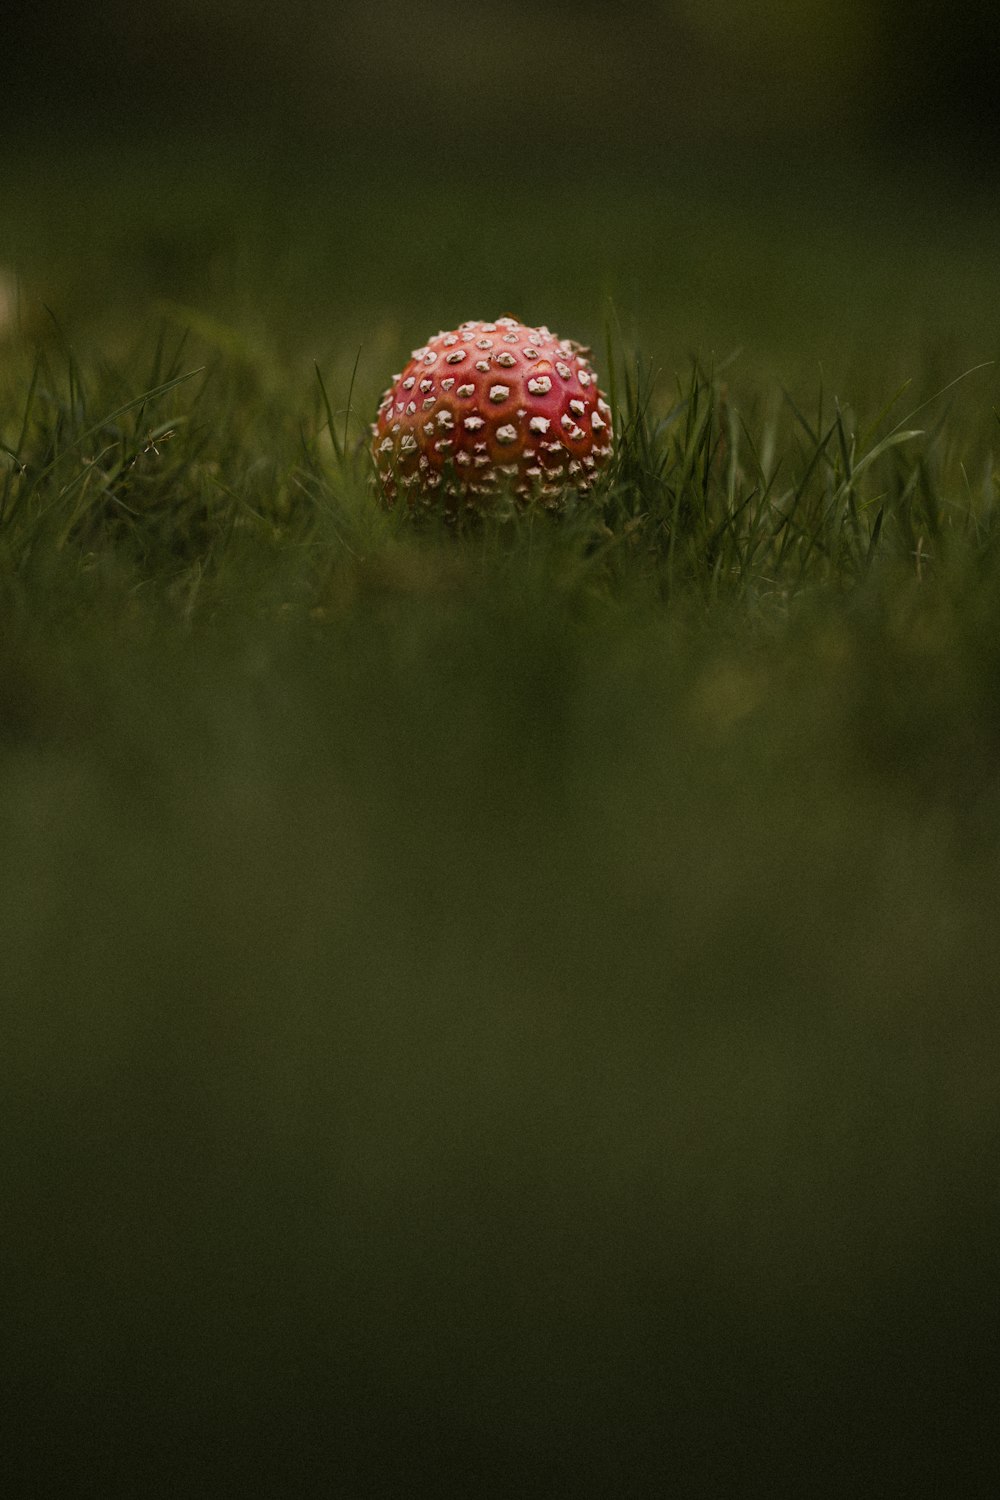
x=491 y=407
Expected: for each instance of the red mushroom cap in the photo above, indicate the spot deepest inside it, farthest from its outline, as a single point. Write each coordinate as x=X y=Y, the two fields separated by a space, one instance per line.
x=491 y=406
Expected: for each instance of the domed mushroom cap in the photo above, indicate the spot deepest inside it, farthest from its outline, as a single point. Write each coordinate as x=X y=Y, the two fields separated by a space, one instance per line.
x=490 y=406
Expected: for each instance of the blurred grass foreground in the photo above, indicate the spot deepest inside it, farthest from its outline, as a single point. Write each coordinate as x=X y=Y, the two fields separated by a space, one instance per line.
x=508 y=1009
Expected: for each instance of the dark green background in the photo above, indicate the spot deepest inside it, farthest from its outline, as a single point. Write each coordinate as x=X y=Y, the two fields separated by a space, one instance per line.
x=473 y=1022
x=421 y=76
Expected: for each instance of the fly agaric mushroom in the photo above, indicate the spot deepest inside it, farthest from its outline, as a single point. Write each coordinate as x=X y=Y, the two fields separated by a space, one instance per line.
x=492 y=406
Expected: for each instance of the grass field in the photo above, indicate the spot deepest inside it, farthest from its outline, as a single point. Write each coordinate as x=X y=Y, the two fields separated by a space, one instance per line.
x=515 y=1009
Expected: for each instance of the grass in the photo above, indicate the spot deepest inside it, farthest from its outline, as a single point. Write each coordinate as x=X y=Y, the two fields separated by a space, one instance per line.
x=511 y=1009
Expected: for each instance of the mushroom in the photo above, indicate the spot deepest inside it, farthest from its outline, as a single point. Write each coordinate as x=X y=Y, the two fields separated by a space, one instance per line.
x=474 y=434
